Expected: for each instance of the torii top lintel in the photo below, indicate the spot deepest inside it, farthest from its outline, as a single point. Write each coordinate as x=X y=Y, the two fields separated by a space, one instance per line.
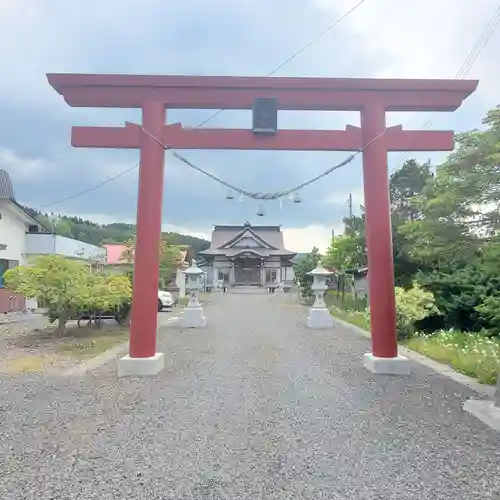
x=227 y=92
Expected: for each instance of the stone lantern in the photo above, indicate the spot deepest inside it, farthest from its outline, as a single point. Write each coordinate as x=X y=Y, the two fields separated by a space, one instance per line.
x=319 y=315
x=193 y=316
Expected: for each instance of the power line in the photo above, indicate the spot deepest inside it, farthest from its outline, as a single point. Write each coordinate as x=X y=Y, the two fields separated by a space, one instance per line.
x=93 y=188
x=472 y=57
x=478 y=47
x=275 y=70
x=295 y=54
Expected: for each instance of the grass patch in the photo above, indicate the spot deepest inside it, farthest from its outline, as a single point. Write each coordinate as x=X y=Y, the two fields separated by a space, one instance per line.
x=28 y=364
x=474 y=355
x=471 y=354
x=348 y=307
x=183 y=301
x=83 y=343
x=354 y=317
x=345 y=301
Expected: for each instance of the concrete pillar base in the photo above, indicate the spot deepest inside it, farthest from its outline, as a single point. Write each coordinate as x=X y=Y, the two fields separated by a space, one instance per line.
x=193 y=317
x=387 y=366
x=139 y=367
x=319 y=318
x=486 y=411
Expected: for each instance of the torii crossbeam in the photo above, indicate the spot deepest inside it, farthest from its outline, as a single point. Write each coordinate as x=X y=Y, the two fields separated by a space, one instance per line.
x=372 y=97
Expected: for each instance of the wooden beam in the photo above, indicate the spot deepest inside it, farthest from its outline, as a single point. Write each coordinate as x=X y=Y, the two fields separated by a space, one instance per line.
x=177 y=137
x=288 y=99
x=128 y=137
x=397 y=139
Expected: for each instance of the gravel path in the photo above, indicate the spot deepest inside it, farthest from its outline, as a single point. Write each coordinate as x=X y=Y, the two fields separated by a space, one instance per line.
x=253 y=407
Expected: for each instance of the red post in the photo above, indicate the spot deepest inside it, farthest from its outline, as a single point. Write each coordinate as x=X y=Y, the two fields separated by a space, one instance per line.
x=149 y=211
x=379 y=234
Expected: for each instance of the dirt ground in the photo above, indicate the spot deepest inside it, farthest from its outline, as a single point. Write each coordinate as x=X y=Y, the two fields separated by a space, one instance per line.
x=29 y=344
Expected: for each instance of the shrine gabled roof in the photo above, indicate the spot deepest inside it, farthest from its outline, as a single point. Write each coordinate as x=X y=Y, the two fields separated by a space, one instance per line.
x=247 y=231
x=223 y=236
x=269 y=237
x=233 y=252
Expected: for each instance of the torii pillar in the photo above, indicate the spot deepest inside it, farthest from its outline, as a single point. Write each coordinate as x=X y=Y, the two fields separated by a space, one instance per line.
x=154 y=94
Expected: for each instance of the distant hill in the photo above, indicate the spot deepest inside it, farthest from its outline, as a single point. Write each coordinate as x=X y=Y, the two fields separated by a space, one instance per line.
x=117 y=232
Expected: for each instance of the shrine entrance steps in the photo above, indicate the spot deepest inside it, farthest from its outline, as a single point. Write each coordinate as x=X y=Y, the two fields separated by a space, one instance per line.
x=247 y=289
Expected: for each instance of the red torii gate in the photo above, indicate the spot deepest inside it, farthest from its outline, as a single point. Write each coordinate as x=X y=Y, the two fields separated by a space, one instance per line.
x=155 y=94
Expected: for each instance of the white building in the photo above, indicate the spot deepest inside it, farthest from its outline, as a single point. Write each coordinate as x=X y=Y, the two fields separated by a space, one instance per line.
x=22 y=238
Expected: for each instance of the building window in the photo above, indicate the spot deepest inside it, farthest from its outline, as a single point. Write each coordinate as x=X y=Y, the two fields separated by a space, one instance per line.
x=4 y=265
x=271 y=275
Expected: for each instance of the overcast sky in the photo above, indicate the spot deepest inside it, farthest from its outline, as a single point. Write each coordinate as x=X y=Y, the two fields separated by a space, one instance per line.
x=382 y=38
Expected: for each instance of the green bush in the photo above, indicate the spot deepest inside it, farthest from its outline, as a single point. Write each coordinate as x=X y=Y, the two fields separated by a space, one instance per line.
x=67 y=288
x=490 y=310
x=412 y=305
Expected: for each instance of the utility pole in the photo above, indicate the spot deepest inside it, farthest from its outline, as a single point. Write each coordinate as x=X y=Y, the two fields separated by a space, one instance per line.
x=349 y=204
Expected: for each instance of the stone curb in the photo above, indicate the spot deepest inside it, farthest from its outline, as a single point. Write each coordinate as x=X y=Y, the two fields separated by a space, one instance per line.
x=98 y=361
x=110 y=354
x=445 y=370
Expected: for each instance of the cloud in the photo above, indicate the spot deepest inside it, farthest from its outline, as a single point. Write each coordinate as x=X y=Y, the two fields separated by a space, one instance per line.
x=381 y=38
x=303 y=239
x=23 y=169
x=341 y=198
x=425 y=39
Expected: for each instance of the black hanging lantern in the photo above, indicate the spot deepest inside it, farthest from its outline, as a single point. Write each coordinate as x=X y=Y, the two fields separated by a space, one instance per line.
x=265 y=115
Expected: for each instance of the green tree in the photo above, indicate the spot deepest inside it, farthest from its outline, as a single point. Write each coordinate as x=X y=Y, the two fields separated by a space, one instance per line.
x=304 y=266
x=60 y=284
x=405 y=185
x=346 y=252
x=171 y=256
x=459 y=205
x=454 y=240
x=107 y=293
x=63 y=227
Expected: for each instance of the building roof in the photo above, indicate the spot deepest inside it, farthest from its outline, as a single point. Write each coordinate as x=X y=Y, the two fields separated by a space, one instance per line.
x=116 y=250
x=268 y=241
x=6 y=187
x=115 y=254
x=7 y=193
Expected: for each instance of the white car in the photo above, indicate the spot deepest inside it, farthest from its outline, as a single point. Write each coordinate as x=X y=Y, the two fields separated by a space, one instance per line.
x=165 y=300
